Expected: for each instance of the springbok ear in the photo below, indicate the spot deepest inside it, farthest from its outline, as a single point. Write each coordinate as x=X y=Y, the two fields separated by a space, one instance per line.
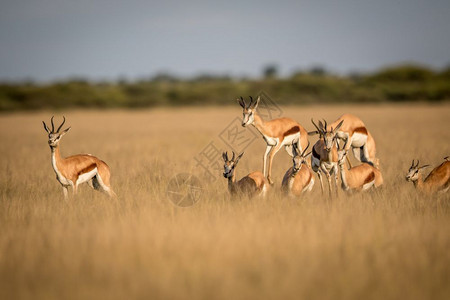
x=423 y=167
x=321 y=126
x=255 y=106
x=338 y=126
x=238 y=158
x=46 y=127
x=309 y=153
x=65 y=131
x=313 y=132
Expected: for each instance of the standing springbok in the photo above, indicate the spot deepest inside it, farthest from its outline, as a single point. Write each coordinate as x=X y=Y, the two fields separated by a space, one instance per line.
x=254 y=184
x=324 y=154
x=359 y=178
x=299 y=178
x=77 y=169
x=355 y=135
x=437 y=181
x=276 y=133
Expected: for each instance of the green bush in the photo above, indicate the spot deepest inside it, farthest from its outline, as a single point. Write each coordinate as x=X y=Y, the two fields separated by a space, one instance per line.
x=400 y=83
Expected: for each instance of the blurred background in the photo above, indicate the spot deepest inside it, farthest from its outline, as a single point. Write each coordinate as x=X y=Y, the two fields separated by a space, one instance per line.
x=63 y=54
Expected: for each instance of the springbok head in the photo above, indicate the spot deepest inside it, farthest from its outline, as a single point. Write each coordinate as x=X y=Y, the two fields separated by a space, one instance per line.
x=328 y=136
x=248 y=111
x=54 y=137
x=413 y=172
x=299 y=157
x=230 y=164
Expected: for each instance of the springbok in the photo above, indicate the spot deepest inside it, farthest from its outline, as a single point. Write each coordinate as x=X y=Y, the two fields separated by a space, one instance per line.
x=359 y=178
x=276 y=133
x=355 y=135
x=299 y=178
x=324 y=153
x=77 y=169
x=437 y=181
x=254 y=184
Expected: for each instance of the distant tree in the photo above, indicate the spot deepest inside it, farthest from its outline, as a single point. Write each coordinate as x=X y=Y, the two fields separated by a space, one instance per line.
x=270 y=71
x=403 y=73
x=318 y=71
x=164 y=77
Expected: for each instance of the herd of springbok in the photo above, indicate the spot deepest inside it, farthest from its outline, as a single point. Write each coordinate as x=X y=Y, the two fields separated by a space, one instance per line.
x=329 y=155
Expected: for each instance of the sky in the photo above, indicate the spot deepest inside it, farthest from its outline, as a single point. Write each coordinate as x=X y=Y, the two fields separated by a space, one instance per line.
x=47 y=40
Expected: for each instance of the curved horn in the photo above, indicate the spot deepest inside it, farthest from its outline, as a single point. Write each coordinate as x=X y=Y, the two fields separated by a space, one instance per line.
x=64 y=120
x=312 y=120
x=241 y=102
x=304 y=151
x=412 y=163
x=53 y=125
x=251 y=101
x=417 y=163
x=233 y=156
x=325 y=128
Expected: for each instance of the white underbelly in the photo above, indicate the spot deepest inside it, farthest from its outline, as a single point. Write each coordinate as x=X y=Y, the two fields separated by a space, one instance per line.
x=86 y=176
x=368 y=185
x=290 y=138
x=358 y=140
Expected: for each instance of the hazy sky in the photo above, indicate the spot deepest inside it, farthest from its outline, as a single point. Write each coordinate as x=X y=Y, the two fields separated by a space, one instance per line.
x=49 y=39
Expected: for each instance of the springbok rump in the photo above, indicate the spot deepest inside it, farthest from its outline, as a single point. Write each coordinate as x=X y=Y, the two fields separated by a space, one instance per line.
x=358 y=178
x=356 y=136
x=77 y=169
x=437 y=181
x=254 y=184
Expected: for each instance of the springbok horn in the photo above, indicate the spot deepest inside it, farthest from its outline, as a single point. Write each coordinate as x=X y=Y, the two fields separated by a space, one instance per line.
x=251 y=102
x=242 y=102
x=64 y=120
x=53 y=126
x=325 y=124
x=312 y=120
x=304 y=151
x=233 y=156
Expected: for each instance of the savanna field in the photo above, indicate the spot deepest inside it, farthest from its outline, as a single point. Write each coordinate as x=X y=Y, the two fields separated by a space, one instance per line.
x=388 y=244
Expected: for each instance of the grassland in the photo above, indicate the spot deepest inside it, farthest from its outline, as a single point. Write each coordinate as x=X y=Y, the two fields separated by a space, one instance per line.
x=393 y=244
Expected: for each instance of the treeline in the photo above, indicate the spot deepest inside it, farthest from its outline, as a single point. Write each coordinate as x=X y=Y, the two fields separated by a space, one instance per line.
x=399 y=83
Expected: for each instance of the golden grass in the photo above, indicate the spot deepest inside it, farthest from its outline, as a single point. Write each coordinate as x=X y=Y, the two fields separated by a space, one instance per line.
x=393 y=244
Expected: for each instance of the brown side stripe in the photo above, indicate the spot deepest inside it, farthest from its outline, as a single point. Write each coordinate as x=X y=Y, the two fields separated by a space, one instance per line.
x=370 y=178
x=87 y=169
x=362 y=130
x=293 y=130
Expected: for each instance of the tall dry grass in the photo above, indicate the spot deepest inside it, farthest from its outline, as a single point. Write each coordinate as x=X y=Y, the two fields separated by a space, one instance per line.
x=393 y=244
